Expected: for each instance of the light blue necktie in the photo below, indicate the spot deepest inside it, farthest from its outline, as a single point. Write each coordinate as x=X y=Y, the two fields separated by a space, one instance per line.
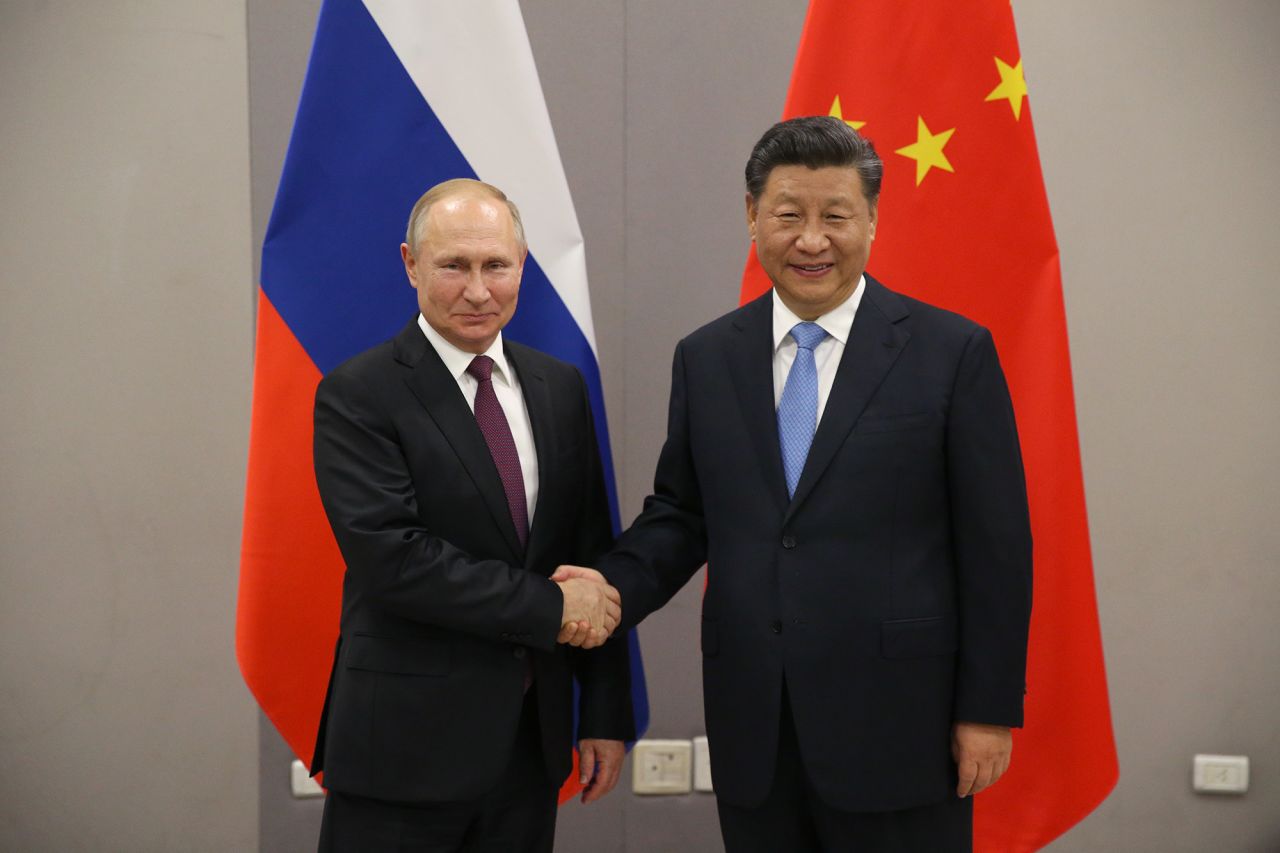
x=798 y=408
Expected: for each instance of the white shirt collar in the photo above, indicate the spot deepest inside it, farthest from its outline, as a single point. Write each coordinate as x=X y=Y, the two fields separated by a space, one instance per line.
x=458 y=360
x=837 y=322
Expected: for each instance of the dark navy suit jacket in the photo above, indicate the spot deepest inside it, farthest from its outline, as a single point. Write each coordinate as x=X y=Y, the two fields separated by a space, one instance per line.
x=892 y=593
x=440 y=604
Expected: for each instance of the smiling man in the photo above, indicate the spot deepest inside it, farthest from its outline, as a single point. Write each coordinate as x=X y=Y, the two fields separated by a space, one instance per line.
x=845 y=460
x=457 y=470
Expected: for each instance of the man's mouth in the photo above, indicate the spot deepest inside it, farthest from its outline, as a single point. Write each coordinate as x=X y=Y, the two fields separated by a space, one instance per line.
x=811 y=270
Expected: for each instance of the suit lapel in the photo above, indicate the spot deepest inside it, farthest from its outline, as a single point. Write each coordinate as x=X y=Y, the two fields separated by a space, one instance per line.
x=438 y=392
x=537 y=400
x=875 y=342
x=751 y=367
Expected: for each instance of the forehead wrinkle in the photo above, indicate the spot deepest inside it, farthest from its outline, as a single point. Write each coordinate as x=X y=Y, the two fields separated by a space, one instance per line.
x=830 y=201
x=788 y=189
x=457 y=237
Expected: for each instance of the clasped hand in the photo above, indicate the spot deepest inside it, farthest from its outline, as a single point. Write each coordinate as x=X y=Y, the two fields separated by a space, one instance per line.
x=592 y=608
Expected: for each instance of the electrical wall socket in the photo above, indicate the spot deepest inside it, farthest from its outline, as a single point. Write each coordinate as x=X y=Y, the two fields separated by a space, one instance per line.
x=1220 y=774
x=701 y=764
x=661 y=767
x=301 y=782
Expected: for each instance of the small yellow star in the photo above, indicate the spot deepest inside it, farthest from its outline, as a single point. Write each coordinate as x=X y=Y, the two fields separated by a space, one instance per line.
x=927 y=150
x=1013 y=86
x=836 y=112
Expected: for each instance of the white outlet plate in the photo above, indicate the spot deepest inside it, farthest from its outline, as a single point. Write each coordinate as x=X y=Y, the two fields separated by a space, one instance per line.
x=662 y=767
x=1220 y=774
x=301 y=782
x=701 y=764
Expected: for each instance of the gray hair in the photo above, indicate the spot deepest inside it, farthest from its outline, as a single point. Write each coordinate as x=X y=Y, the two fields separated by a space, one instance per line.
x=814 y=141
x=458 y=186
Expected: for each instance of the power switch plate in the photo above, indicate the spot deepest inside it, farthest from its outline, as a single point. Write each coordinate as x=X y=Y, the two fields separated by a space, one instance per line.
x=1220 y=774
x=662 y=767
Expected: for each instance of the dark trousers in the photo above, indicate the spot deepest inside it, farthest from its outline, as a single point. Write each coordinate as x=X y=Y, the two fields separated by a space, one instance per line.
x=793 y=818
x=518 y=816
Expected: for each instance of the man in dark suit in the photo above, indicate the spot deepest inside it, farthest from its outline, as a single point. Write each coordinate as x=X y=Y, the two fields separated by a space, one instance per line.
x=845 y=460
x=457 y=470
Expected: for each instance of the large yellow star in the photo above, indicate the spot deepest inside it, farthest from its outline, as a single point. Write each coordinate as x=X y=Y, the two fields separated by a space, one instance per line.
x=927 y=150
x=1013 y=86
x=837 y=113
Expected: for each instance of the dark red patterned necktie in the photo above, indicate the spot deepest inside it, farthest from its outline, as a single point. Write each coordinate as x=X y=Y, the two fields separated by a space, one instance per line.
x=502 y=447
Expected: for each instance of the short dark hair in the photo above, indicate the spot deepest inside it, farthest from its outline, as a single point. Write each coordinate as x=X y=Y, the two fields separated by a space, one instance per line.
x=815 y=141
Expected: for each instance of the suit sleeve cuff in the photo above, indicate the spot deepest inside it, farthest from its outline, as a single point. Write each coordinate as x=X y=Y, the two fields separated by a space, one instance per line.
x=546 y=615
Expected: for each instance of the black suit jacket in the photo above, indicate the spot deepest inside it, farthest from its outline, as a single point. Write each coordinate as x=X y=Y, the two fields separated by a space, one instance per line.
x=893 y=591
x=440 y=604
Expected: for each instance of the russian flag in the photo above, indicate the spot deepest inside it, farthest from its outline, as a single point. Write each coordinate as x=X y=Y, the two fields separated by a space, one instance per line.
x=398 y=96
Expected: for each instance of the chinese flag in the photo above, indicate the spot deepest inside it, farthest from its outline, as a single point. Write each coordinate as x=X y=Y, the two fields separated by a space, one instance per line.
x=964 y=224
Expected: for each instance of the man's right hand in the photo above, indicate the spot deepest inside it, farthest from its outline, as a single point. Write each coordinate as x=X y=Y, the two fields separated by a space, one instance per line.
x=592 y=608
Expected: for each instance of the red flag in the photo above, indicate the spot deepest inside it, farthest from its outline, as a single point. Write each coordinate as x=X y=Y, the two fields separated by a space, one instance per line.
x=964 y=224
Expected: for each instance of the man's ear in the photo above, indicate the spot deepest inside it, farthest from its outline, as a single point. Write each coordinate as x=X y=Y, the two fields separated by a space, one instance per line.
x=410 y=265
x=751 y=216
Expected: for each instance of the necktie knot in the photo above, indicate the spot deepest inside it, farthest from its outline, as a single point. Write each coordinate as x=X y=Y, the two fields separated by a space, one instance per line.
x=481 y=367
x=808 y=335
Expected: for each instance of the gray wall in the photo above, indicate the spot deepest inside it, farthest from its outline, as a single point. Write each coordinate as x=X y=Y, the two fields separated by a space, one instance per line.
x=127 y=338
x=128 y=244
x=1155 y=123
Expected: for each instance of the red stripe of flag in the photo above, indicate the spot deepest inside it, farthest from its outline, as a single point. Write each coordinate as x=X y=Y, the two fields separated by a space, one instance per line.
x=290 y=567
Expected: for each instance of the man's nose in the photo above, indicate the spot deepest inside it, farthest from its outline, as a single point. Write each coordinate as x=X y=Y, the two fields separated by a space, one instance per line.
x=476 y=291
x=812 y=238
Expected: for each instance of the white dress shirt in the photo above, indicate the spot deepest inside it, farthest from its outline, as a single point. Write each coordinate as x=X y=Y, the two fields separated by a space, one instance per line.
x=506 y=386
x=826 y=356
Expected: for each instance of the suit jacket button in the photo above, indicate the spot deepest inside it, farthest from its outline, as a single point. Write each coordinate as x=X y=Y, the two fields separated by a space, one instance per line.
x=518 y=652
x=788 y=541
x=776 y=626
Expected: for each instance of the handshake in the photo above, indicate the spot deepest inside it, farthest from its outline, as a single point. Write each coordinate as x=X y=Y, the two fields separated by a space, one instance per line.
x=592 y=608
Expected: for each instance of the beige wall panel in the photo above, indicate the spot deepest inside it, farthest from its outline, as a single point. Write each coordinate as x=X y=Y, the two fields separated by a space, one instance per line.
x=125 y=339
x=1156 y=123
